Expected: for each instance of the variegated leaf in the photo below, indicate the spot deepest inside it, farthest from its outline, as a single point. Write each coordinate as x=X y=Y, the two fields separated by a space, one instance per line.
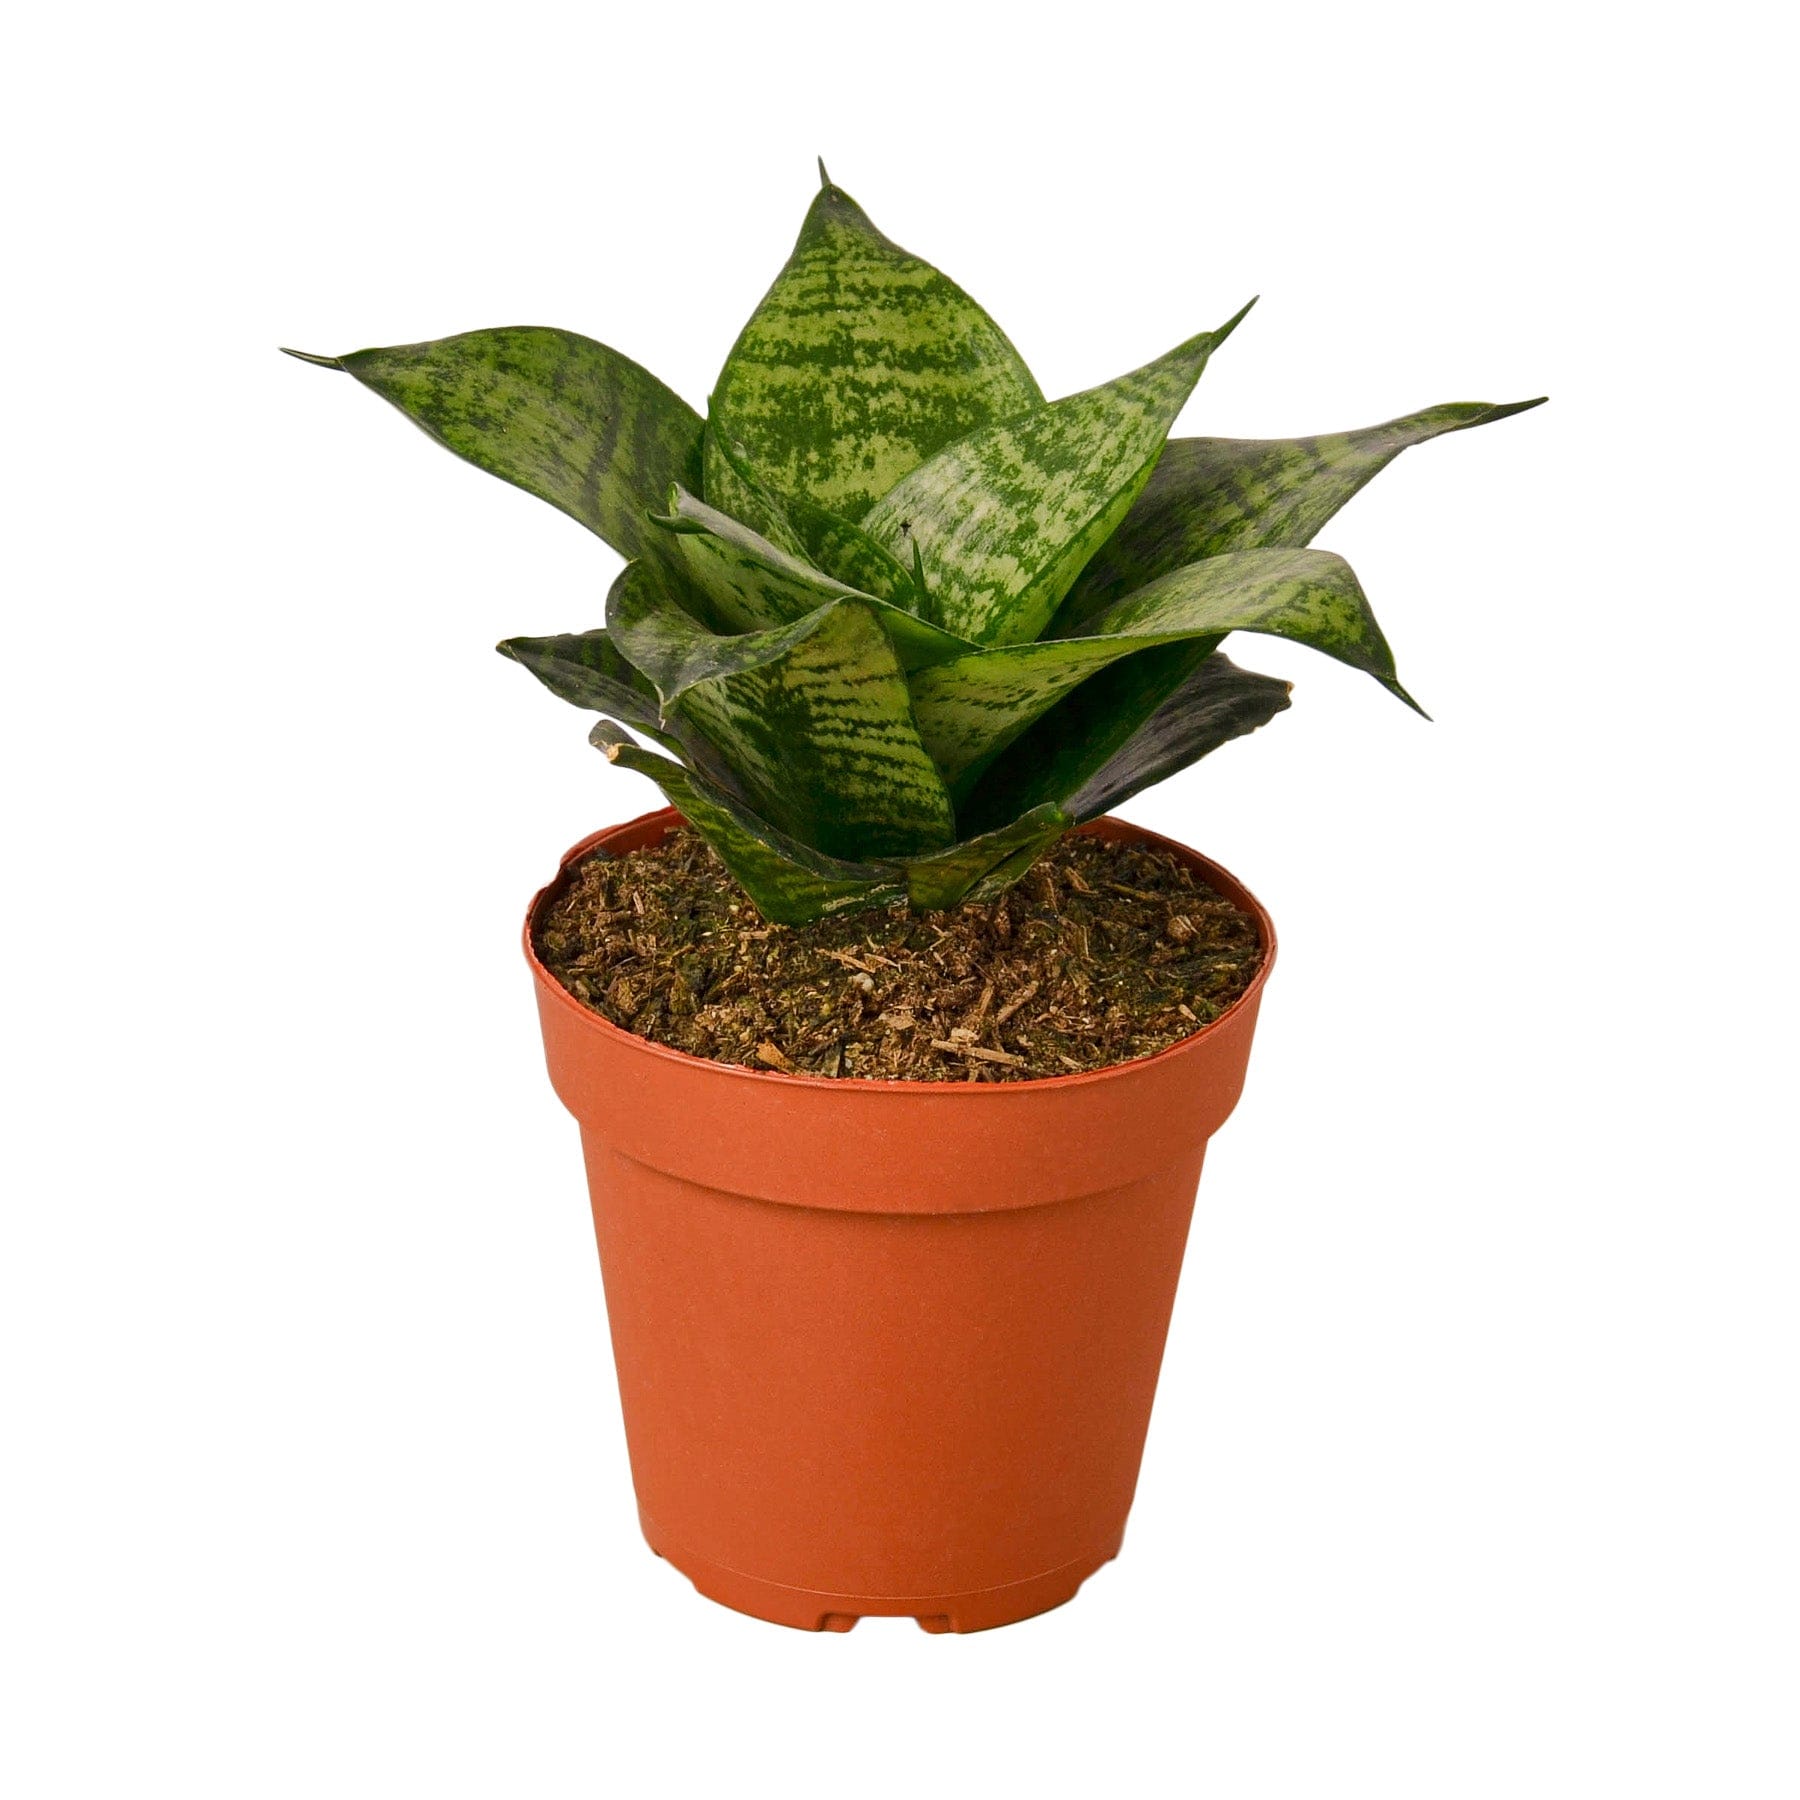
x=586 y=669
x=813 y=718
x=1210 y=495
x=1104 y=743
x=979 y=867
x=1003 y=520
x=789 y=882
x=732 y=487
x=833 y=544
x=971 y=707
x=550 y=411
x=861 y=362
x=751 y=584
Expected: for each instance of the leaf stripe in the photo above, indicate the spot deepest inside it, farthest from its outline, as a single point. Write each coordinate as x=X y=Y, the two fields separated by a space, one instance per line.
x=861 y=362
x=1212 y=495
x=813 y=717
x=971 y=708
x=555 y=413
x=1003 y=520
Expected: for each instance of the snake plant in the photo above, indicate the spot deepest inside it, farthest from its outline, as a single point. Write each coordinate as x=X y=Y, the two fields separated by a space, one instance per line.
x=894 y=621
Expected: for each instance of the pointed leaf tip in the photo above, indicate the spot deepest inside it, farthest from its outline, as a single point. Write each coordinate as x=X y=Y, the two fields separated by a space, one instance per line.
x=824 y=179
x=306 y=356
x=1400 y=693
x=1236 y=319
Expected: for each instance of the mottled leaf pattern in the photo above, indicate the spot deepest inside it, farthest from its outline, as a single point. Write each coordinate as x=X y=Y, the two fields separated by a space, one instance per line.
x=832 y=544
x=587 y=669
x=1210 y=495
x=790 y=882
x=814 y=718
x=976 y=865
x=901 y=621
x=971 y=707
x=748 y=583
x=1004 y=519
x=860 y=363
x=550 y=411
x=734 y=489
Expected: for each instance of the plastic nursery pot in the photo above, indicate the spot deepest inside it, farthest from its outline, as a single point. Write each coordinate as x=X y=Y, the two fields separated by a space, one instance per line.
x=888 y=1347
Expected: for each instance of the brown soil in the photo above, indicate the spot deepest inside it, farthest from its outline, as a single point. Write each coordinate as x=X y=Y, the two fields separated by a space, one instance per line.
x=1102 y=952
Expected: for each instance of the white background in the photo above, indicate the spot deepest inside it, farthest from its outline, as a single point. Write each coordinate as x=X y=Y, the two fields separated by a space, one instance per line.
x=1474 y=1465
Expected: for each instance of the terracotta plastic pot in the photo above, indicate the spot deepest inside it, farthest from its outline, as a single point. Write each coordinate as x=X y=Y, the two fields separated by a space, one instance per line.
x=888 y=1347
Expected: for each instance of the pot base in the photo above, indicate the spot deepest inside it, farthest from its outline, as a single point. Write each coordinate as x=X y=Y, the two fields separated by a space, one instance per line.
x=806 y=1610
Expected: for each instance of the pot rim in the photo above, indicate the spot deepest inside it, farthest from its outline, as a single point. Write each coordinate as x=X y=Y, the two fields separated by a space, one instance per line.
x=992 y=1091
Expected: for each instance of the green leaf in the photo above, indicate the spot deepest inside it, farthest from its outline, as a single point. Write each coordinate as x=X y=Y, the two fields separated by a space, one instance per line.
x=813 y=718
x=1130 y=726
x=1216 y=703
x=1210 y=495
x=1003 y=520
x=732 y=487
x=980 y=867
x=789 y=882
x=841 y=549
x=751 y=584
x=971 y=707
x=860 y=363
x=552 y=412
x=587 y=670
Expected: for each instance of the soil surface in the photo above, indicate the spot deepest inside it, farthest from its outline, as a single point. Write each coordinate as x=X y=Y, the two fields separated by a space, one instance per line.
x=1101 y=953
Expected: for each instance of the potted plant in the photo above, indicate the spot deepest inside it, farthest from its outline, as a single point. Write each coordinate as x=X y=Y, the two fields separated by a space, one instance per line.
x=889 y=1224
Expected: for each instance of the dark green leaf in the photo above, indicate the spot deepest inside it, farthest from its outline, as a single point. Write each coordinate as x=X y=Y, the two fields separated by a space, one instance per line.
x=1216 y=703
x=973 y=868
x=860 y=363
x=586 y=669
x=550 y=411
x=1098 y=748
x=1003 y=520
x=1210 y=495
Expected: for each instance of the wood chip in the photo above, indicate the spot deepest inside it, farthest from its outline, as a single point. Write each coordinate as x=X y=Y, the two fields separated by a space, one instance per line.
x=769 y=1054
x=1019 y=999
x=977 y=1050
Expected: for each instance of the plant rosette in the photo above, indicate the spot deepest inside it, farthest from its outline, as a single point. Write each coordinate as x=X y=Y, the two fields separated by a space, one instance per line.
x=891 y=625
